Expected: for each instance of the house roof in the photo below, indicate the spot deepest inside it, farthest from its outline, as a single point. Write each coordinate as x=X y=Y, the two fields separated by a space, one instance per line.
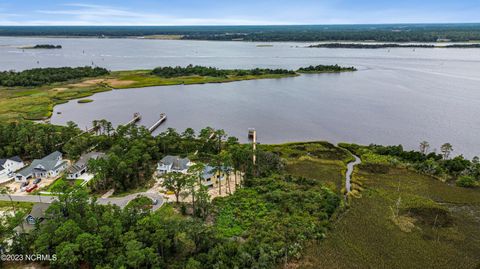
x=83 y=161
x=47 y=163
x=14 y=158
x=176 y=162
x=37 y=212
x=208 y=172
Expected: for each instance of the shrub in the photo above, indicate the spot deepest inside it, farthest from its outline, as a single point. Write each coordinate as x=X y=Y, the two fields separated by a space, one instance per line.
x=466 y=182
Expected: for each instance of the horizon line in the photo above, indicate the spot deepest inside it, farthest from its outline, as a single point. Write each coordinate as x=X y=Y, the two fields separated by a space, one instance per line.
x=246 y=25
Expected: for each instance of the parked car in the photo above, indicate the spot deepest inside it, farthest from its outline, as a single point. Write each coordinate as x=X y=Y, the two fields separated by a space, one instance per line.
x=32 y=188
x=155 y=202
x=24 y=184
x=36 y=181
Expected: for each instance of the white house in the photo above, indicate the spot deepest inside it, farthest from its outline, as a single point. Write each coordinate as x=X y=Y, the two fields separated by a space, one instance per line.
x=50 y=166
x=81 y=166
x=8 y=167
x=173 y=164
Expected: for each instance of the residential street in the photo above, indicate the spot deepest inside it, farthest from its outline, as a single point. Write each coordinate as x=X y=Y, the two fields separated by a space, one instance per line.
x=119 y=201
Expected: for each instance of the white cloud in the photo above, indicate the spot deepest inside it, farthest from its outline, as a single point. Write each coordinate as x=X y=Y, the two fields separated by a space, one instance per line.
x=89 y=14
x=324 y=13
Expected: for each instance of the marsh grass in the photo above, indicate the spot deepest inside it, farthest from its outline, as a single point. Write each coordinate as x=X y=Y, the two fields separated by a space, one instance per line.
x=321 y=161
x=402 y=220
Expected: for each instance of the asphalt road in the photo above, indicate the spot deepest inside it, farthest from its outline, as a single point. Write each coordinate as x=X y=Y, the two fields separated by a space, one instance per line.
x=119 y=201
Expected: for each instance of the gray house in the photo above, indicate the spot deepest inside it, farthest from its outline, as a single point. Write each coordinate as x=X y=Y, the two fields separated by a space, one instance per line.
x=81 y=166
x=173 y=164
x=37 y=215
x=49 y=166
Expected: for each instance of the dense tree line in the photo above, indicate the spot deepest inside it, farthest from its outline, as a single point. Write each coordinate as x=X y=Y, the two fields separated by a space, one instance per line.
x=30 y=140
x=129 y=162
x=44 y=76
x=392 y=45
x=191 y=70
x=382 y=33
x=325 y=69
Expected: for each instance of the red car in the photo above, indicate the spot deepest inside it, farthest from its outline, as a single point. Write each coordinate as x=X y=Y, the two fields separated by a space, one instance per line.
x=30 y=189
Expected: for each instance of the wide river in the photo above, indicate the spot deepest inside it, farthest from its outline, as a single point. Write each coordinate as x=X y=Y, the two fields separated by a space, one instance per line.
x=398 y=96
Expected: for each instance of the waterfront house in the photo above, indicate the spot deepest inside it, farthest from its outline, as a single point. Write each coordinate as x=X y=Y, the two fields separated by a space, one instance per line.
x=8 y=167
x=173 y=164
x=36 y=215
x=47 y=167
x=81 y=166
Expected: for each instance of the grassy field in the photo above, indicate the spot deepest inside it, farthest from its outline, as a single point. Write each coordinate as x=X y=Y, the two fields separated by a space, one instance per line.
x=401 y=219
x=36 y=103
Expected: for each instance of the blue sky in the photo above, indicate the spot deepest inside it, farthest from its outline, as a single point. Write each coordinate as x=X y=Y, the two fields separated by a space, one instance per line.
x=238 y=12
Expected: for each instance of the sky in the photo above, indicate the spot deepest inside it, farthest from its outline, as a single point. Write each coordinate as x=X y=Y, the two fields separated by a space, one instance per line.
x=236 y=12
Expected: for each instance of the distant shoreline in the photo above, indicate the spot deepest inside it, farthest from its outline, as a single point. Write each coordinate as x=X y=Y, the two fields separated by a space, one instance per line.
x=166 y=38
x=396 y=45
x=401 y=33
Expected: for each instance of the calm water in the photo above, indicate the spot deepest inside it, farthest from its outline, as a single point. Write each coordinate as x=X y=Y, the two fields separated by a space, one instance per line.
x=399 y=96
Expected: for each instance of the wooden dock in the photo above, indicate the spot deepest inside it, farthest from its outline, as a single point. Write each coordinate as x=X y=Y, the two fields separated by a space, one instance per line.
x=92 y=129
x=136 y=118
x=163 y=118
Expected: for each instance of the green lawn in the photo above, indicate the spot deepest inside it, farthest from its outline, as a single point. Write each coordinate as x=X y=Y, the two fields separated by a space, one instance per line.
x=76 y=182
x=7 y=205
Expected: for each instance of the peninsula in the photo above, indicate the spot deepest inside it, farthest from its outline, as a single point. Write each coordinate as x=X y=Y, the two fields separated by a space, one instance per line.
x=32 y=94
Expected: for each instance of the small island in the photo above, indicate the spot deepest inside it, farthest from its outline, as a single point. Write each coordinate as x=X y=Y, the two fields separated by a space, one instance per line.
x=326 y=69
x=388 y=46
x=44 y=46
x=84 y=101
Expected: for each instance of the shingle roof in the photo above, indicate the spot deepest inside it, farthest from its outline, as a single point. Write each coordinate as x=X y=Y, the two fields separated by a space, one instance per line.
x=83 y=161
x=39 y=209
x=208 y=172
x=49 y=162
x=176 y=162
x=14 y=158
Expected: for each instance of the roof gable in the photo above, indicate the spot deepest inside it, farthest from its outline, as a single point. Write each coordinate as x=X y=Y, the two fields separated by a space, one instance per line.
x=176 y=162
